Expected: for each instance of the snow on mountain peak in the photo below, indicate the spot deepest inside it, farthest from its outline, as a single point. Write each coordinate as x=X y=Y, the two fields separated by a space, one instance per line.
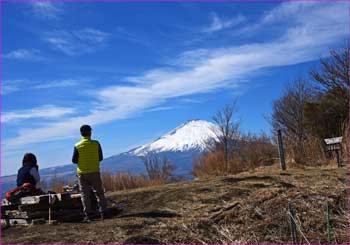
x=191 y=135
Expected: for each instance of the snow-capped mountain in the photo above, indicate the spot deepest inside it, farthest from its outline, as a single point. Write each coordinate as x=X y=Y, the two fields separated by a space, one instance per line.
x=192 y=135
x=179 y=146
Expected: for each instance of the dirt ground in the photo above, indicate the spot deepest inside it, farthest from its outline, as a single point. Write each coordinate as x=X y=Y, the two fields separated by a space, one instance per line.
x=250 y=207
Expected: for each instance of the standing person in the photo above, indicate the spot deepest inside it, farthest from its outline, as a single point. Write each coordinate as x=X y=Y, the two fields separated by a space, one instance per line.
x=87 y=155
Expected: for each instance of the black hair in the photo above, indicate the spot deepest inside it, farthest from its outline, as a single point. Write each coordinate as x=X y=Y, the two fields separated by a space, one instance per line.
x=85 y=130
x=29 y=159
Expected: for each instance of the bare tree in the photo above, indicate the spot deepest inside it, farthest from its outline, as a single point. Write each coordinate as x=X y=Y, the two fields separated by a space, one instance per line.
x=158 y=168
x=335 y=71
x=333 y=81
x=227 y=129
x=288 y=113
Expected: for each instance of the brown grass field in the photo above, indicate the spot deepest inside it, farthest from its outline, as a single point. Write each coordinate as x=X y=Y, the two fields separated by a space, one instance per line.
x=251 y=207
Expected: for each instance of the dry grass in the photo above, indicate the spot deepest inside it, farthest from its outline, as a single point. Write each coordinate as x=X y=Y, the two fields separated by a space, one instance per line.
x=111 y=182
x=249 y=207
x=56 y=184
x=124 y=181
x=210 y=164
x=309 y=153
x=251 y=151
x=254 y=151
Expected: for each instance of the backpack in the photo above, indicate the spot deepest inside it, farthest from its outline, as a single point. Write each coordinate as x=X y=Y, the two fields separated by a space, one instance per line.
x=14 y=195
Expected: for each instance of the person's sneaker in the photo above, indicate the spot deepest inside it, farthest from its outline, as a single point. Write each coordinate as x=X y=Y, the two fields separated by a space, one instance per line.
x=86 y=219
x=102 y=216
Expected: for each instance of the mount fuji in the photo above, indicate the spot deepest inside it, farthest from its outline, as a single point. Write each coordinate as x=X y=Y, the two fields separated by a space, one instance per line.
x=180 y=146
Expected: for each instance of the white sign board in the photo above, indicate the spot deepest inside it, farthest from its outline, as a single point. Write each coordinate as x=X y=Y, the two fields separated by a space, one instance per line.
x=331 y=141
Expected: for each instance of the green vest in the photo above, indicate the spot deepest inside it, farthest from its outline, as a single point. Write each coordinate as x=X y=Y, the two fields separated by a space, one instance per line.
x=88 y=161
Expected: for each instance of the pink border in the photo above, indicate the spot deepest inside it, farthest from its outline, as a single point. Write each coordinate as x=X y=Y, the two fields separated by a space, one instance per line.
x=212 y=1
x=0 y=109
x=348 y=131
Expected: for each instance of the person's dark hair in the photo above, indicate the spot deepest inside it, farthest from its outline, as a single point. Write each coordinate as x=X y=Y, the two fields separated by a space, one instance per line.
x=85 y=130
x=29 y=159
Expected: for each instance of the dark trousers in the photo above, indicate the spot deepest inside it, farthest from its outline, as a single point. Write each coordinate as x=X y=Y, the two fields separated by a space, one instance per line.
x=87 y=182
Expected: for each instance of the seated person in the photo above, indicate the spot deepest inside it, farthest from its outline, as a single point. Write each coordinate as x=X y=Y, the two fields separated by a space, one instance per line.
x=28 y=180
x=29 y=172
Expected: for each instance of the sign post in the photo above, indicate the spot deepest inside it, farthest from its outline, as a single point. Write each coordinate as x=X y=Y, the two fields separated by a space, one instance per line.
x=334 y=145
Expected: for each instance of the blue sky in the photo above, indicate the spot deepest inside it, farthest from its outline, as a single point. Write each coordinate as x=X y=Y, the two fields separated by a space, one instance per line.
x=136 y=70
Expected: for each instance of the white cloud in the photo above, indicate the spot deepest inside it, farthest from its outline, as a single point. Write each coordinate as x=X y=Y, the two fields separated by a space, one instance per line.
x=12 y=86
x=289 y=9
x=8 y=88
x=24 y=54
x=44 y=112
x=191 y=101
x=190 y=58
x=160 y=108
x=218 y=24
x=91 y=35
x=207 y=70
x=58 y=84
x=122 y=33
x=47 y=9
x=76 y=42
x=290 y=15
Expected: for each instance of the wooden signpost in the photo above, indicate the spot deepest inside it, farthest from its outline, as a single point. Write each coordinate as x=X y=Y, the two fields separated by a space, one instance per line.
x=334 y=145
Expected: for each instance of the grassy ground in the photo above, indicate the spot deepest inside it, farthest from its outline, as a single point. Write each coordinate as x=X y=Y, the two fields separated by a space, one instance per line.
x=246 y=208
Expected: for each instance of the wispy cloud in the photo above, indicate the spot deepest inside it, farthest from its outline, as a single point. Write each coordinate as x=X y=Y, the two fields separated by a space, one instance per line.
x=291 y=15
x=206 y=70
x=24 y=54
x=91 y=35
x=160 y=108
x=286 y=10
x=12 y=86
x=43 y=112
x=58 y=84
x=190 y=58
x=47 y=9
x=218 y=23
x=76 y=42
x=122 y=33
x=191 y=101
x=8 y=89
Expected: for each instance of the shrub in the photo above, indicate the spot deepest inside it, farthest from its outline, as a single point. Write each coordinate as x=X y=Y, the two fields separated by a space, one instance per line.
x=124 y=181
x=111 y=181
x=250 y=151
x=158 y=169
